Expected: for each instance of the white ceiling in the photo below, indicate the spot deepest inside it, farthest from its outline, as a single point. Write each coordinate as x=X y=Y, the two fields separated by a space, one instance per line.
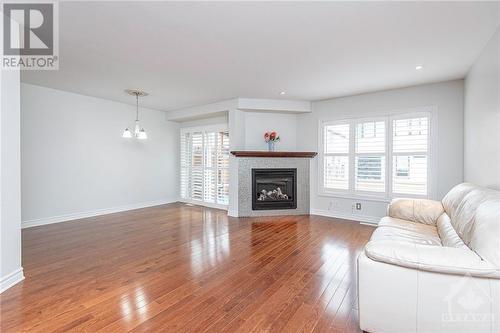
x=194 y=53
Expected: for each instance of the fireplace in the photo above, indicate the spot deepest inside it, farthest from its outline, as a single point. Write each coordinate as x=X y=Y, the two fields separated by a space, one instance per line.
x=274 y=189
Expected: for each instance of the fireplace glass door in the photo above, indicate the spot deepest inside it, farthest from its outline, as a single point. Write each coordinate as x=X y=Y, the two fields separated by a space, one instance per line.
x=274 y=189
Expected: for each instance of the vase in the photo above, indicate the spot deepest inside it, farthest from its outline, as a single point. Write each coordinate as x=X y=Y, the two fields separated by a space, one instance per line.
x=270 y=145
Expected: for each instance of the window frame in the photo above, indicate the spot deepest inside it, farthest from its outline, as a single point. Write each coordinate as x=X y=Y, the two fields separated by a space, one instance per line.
x=203 y=129
x=428 y=111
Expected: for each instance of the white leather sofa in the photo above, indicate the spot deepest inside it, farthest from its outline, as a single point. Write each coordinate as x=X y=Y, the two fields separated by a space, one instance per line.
x=434 y=266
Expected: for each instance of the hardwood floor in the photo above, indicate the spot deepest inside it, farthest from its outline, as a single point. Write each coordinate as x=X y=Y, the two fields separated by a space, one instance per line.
x=187 y=268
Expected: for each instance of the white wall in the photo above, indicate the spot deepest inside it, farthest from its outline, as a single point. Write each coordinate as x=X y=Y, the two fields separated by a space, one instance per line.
x=236 y=142
x=482 y=117
x=447 y=97
x=75 y=162
x=10 y=181
x=257 y=123
x=205 y=121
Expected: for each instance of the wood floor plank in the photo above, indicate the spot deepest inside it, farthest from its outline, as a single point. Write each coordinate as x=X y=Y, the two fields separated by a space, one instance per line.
x=181 y=268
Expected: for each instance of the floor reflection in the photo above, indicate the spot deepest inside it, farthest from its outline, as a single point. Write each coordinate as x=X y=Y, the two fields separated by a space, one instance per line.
x=281 y=229
x=212 y=246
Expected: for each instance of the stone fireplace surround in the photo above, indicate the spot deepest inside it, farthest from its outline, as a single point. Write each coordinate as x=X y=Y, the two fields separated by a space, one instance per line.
x=248 y=160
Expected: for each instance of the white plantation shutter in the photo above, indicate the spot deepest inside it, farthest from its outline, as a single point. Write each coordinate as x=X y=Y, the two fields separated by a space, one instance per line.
x=204 y=165
x=370 y=156
x=336 y=157
x=185 y=165
x=210 y=158
x=337 y=139
x=223 y=168
x=197 y=166
x=410 y=137
x=385 y=156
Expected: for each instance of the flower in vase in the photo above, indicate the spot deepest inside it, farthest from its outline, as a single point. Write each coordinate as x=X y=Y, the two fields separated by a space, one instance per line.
x=271 y=136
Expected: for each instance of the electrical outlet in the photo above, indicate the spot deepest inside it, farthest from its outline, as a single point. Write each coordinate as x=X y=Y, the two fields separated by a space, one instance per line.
x=358 y=205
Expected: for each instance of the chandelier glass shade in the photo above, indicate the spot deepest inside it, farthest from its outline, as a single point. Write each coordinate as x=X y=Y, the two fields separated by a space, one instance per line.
x=127 y=134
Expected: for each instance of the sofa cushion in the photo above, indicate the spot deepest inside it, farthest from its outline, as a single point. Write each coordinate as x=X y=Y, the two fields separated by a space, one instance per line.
x=461 y=204
x=430 y=258
x=485 y=235
x=447 y=233
x=416 y=210
x=386 y=233
x=454 y=197
x=424 y=229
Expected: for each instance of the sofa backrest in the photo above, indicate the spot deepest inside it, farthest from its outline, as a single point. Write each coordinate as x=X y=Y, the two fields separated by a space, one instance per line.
x=475 y=215
x=485 y=239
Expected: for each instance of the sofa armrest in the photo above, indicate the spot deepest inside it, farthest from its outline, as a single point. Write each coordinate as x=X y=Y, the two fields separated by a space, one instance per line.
x=441 y=259
x=416 y=210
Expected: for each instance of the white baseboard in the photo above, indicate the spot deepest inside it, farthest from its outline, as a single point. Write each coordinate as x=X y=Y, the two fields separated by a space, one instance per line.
x=82 y=215
x=11 y=279
x=232 y=213
x=204 y=204
x=363 y=219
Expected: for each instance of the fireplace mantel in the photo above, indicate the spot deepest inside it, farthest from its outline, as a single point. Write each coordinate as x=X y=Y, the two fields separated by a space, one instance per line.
x=255 y=153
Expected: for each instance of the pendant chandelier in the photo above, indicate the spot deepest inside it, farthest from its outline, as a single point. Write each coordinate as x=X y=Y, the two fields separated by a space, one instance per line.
x=139 y=131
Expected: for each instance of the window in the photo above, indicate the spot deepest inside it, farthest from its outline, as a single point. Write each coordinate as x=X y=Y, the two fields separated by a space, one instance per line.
x=370 y=156
x=381 y=157
x=410 y=142
x=336 y=156
x=204 y=165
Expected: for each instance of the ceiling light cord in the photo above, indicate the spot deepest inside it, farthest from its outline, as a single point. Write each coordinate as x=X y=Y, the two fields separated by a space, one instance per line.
x=137 y=107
